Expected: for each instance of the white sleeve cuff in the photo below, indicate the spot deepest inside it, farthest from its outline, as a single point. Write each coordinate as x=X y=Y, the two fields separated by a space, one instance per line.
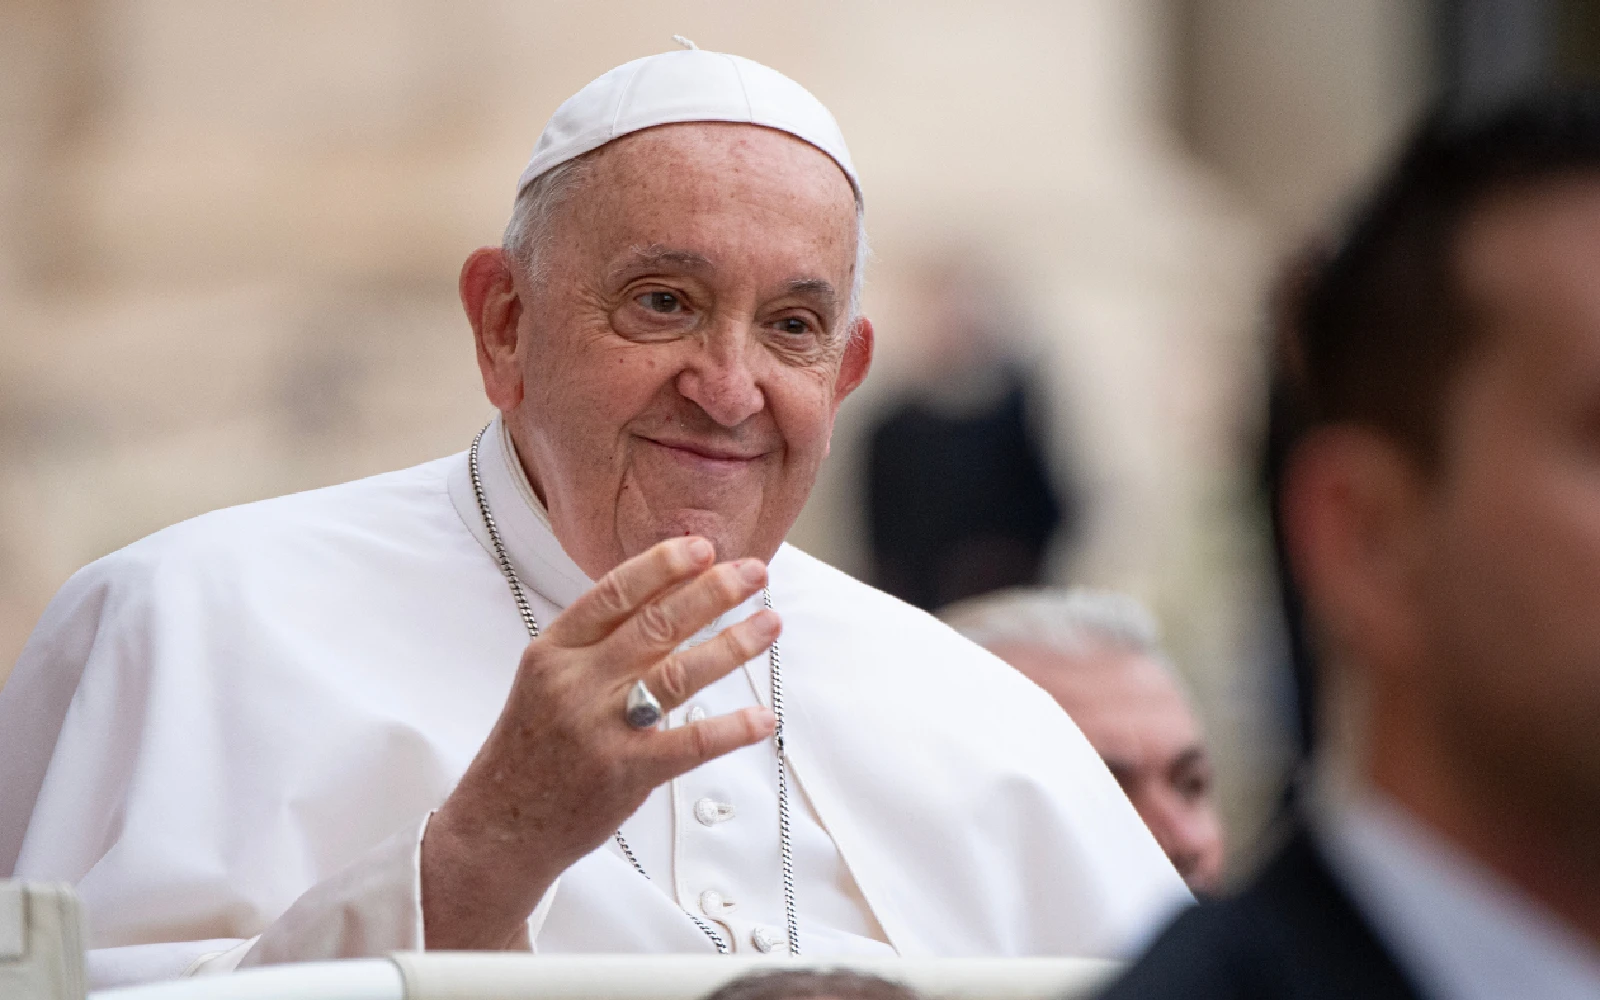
x=366 y=910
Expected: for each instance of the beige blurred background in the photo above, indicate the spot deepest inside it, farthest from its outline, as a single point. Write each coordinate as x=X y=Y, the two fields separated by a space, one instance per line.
x=230 y=233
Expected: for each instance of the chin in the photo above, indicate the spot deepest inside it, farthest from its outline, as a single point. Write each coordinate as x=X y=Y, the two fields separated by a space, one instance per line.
x=731 y=539
x=707 y=524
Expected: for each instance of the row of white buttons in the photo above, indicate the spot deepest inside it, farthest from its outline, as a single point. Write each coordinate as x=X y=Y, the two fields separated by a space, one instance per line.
x=714 y=904
x=717 y=906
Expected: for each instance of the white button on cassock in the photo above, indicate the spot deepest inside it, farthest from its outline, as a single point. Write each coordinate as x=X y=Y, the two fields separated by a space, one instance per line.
x=714 y=905
x=710 y=812
x=766 y=938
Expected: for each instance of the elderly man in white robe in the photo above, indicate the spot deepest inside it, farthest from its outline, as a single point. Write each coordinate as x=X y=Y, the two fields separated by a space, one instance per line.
x=569 y=690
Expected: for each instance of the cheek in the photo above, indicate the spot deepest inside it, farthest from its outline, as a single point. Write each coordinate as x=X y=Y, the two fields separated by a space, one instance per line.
x=1520 y=577
x=1519 y=627
x=594 y=393
x=801 y=403
x=1558 y=565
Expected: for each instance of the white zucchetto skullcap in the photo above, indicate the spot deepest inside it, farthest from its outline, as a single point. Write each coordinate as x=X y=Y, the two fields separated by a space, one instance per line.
x=691 y=85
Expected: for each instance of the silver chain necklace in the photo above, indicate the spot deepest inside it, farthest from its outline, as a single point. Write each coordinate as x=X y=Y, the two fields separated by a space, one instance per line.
x=532 y=625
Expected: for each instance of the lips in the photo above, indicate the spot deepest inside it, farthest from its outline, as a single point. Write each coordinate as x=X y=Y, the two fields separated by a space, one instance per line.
x=705 y=452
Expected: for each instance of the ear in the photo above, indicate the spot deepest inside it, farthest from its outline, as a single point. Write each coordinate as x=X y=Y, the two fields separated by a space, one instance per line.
x=857 y=359
x=1353 y=507
x=494 y=308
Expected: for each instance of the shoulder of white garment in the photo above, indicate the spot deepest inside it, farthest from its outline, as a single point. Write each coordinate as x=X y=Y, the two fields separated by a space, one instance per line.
x=814 y=594
x=151 y=620
x=925 y=754
x=925 y=672
x=359 y=513
x=355 y=514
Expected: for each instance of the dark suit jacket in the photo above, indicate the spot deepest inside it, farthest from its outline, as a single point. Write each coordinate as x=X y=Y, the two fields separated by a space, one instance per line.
x=961 y=505
x=1292 y=933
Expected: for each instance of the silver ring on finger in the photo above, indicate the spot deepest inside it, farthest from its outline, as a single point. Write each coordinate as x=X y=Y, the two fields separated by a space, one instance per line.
x=642 y=710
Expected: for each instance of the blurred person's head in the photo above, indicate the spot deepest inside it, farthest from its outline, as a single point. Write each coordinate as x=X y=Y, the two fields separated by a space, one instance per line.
x=1099 y=655
x=964 y=314
x=671 y=323
x=804 y=984
x=1440 y=491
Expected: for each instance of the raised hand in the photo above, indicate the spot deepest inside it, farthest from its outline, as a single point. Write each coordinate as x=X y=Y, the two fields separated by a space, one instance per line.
x=562 y=769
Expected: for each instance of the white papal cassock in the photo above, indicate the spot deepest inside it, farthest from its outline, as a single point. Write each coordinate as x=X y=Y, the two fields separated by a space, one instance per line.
x=229 y=736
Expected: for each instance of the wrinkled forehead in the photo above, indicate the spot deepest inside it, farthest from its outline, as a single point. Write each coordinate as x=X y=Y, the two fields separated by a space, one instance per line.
x=722 y=194
x=682 y=152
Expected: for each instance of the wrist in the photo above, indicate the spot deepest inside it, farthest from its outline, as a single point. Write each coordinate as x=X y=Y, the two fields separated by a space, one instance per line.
x=478 y=888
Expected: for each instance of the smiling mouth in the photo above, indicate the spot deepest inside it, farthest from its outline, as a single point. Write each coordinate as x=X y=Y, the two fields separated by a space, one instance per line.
x=704 y=454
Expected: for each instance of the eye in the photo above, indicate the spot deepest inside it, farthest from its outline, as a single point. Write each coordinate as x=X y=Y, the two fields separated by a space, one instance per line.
x=665 y=303
x=1193 y=786
x=1123 y=773
x=792 y=326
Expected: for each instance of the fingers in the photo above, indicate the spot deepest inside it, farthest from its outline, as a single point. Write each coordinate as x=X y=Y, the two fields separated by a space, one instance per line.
x=678 y=751
x=662 y=624
x=675 y=679
x=624 y=590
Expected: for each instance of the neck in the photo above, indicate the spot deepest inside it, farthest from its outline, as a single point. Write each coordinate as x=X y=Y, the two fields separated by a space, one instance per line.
x=1538 y=842
x=594 y=565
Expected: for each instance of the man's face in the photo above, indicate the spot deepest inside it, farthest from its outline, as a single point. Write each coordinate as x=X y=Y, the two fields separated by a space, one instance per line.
x=689 y=347
x=1510 y=599
x=1133 y=714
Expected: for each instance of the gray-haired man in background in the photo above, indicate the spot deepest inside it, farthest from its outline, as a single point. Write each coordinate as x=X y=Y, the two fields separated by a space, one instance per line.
x=1099 y=655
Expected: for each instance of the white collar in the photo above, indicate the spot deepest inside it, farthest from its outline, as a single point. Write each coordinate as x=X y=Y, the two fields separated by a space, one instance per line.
x=531 y=544
x=1460 y=929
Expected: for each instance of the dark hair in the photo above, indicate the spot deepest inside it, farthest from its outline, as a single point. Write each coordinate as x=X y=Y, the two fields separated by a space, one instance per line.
x=803 y=984
x=1380 y=327
x=1375 y=331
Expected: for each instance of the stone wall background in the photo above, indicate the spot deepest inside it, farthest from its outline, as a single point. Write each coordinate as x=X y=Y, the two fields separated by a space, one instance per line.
x=230 y=232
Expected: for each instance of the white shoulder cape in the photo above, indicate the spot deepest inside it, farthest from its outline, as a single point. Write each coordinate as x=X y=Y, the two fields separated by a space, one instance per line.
x=228 y=736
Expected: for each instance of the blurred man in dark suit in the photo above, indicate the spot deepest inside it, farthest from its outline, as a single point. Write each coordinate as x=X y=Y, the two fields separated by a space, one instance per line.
x=1439 y=501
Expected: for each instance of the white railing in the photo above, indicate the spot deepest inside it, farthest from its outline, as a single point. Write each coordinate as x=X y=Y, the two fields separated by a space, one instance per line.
x=41 y=958
x=499 y=976
x=41 y=952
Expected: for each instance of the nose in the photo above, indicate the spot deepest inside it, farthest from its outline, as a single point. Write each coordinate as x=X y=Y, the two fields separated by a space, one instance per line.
x=719 y=379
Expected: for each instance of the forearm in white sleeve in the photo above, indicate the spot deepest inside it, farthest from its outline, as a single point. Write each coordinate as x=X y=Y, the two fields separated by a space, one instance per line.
x=365 y=910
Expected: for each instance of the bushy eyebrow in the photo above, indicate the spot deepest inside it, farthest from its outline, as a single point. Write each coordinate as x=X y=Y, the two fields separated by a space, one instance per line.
x=641 y=259
x=656 y=256
x=819 y=290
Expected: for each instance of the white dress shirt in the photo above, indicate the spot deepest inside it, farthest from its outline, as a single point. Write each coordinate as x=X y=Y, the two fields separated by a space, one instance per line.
x=1460 y=930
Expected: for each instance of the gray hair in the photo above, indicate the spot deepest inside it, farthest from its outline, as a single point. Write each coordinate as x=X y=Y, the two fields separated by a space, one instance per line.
x=529 y=233
x=808 y=984
x=1069 y=621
